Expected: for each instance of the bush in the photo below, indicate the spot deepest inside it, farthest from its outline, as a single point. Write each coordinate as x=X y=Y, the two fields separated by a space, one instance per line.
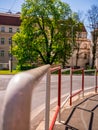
x=25 y=67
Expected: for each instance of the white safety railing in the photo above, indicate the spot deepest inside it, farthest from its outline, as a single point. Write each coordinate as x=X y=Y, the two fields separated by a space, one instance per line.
x=90 y=80
x=16 y=110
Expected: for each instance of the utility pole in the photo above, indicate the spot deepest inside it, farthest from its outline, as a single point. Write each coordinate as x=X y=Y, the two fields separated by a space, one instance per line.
x=11 y=57
x=72 y=32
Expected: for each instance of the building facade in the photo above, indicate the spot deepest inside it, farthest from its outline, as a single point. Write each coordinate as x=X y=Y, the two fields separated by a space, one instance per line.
x=9 y=25
x=81 y=56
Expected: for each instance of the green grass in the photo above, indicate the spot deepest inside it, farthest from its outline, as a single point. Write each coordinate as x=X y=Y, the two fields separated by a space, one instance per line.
x=5 y=72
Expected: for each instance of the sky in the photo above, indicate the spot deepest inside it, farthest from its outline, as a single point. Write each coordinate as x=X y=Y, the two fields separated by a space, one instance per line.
x=81 y=6
x=76 y=5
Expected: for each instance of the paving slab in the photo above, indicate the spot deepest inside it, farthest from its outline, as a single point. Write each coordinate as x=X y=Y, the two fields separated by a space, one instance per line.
x=83 y=115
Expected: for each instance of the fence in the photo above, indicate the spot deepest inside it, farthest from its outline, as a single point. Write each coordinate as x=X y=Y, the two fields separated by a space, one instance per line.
x=96 y=81
x=82 y=85
x=16 y=110
x=90 y=80
x=59 y=96
x=82 y=89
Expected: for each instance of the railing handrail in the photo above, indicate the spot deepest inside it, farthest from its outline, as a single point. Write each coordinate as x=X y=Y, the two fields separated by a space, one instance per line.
x=16 y=110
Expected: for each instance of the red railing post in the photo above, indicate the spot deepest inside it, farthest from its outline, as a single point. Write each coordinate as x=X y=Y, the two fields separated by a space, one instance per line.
x=59 y=91
x=71 y=86
x=59 y=96
x=83 y=81
x=59 y=87
x=96 y=80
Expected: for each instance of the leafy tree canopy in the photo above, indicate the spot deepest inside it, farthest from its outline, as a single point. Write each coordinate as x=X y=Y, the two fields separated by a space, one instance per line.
x=93 y=24
x=41 y=36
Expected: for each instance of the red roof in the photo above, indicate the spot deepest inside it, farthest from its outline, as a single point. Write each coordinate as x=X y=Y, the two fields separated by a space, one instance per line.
x=10 y=19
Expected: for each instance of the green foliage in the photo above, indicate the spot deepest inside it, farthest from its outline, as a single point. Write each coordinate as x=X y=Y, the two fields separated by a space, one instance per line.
x=41 y=37
x=93 y=24
x=25 y=67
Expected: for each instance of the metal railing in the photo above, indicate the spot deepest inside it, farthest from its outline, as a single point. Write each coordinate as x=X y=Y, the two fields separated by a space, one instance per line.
x=16 y=110
x=96 y=80
x=92 y=83
x=71 y=85
x=59 y=96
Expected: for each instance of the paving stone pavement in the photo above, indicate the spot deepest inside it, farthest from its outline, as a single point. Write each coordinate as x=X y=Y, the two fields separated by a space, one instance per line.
x=83 y=115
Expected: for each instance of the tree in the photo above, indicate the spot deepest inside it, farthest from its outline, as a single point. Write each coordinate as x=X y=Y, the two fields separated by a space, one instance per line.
x=68 y=36
x=22 y=49
x=93 y=21
x=40 y=33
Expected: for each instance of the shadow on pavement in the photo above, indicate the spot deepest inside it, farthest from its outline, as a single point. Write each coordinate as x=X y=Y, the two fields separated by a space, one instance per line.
x=91 y=109
x=83 y=115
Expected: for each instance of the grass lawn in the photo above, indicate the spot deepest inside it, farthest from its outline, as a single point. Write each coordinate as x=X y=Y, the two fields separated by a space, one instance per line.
x=5 y=72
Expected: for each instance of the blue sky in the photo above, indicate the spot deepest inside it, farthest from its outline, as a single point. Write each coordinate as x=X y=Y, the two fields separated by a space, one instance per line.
x=76 y=5
x=13 y=5
x=81 y=5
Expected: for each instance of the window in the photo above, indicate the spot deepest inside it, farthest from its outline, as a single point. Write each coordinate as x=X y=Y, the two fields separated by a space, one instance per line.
x=1 y=52
x=18 y=30
x=10 y=40
x=2 y=29
x=2 y=40
x=85 y=56
x=10 y=30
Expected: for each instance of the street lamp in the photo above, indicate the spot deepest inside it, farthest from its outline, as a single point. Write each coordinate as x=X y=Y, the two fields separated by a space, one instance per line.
x=72 y=37
x=11 y=58
x=72 y=32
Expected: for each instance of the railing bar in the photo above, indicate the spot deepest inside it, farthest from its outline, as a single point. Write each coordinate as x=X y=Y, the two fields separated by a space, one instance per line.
x=65 y=101
x=74 y=94
x=63 y=70
x=88 y=89
x=18 y=99
x=47 y=110
x=54 y=118
x=55 y=69
x=74 y=70
x=96 y=80
x=71 y=86
x=89 y=70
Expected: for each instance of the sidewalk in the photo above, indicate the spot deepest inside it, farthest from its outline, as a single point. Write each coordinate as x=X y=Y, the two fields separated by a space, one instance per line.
x=83 y=115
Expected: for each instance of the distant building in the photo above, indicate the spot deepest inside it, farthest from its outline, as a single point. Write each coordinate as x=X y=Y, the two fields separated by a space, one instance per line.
x=82 y=52
x=9 y=25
